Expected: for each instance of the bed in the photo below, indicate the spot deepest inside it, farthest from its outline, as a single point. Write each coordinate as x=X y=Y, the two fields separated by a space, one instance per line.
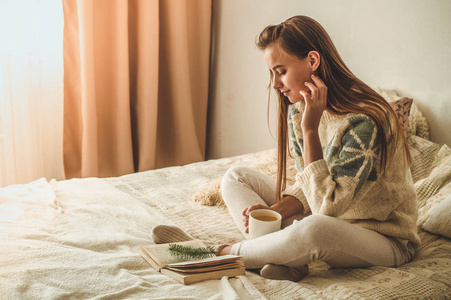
x=79 y=238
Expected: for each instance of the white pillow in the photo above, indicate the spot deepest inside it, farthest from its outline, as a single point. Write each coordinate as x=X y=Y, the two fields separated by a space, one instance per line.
x=434 y=195
x=439 y=221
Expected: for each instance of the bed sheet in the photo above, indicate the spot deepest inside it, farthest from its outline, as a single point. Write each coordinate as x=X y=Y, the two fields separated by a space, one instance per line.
x=79 y=239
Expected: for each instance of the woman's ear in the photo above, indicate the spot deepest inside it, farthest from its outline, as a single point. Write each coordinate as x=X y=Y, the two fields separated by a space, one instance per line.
x=314 y=60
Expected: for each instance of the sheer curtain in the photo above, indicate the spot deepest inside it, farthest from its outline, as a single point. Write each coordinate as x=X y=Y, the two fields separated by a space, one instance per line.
x=31 y=90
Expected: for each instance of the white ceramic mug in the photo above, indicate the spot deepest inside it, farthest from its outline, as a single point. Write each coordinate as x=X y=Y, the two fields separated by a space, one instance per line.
x=263 y=221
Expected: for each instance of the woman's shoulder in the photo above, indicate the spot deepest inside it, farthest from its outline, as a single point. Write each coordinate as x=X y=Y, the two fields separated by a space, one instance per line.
x=351 y=121
x=361 y=121
x=356 y=129
x=364 y=123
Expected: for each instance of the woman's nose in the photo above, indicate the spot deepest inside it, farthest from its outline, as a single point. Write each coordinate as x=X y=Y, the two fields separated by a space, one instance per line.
x=277 y=84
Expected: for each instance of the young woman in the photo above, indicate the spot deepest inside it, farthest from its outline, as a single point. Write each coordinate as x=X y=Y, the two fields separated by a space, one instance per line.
x=354 y=203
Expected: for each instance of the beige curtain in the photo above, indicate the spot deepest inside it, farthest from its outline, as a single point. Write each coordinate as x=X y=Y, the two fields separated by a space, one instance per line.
x=135 y=84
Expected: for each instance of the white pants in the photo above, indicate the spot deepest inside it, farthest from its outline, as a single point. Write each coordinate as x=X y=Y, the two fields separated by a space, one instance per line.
x=305 y=238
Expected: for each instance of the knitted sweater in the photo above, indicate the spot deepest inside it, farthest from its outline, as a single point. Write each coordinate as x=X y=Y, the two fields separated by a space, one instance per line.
x=346 y=184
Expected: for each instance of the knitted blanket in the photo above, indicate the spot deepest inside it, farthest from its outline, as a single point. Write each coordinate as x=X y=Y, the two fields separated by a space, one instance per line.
x=79 y=238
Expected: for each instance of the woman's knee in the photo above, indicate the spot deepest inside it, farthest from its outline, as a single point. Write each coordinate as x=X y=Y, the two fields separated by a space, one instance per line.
x=317 y=223
x=237 y=172
x=316 y=229
x=230 y=179
x=234 y=174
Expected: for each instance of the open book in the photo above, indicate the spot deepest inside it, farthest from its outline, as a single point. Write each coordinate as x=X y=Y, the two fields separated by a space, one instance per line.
x=189 y=271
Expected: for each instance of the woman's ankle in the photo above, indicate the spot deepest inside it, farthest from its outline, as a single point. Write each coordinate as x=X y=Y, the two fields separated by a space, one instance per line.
x=225 y=250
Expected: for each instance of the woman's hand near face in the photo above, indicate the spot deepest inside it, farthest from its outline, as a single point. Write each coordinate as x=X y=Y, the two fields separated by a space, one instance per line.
x=315 y=104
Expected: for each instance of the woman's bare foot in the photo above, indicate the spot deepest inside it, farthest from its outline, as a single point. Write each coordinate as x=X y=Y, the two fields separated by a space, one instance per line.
x=225 y=250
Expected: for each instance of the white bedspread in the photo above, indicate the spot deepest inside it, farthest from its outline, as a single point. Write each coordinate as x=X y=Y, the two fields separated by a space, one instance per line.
x=79 y=239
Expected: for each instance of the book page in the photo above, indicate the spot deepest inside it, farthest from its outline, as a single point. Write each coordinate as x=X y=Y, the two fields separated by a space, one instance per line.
x=231 y=265
x=211 y=261
x=161 y=254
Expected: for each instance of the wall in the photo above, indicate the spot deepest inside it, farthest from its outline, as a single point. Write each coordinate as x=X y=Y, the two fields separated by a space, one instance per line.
x=403 y=45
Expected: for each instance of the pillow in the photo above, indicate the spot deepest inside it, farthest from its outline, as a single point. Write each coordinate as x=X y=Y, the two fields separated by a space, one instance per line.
x=416 y=122
x=433 y=194
x=439 y=221
x=402 y=110
x=423 y=153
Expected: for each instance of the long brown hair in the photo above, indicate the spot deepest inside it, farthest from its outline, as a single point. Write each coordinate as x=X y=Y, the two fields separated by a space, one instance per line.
x=345 y=92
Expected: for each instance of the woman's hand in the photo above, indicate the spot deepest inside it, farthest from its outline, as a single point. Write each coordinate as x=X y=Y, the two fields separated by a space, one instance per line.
x=246 y=212
x=315 y=104
x=287 y=207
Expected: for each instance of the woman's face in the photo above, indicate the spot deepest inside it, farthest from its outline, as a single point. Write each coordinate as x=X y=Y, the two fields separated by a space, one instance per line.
x=288 y=73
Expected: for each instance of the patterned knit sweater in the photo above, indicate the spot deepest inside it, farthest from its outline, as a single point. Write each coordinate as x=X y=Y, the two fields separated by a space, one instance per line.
x=346 y=184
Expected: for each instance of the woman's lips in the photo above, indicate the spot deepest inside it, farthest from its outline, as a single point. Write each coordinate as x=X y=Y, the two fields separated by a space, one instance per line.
x=284 y=93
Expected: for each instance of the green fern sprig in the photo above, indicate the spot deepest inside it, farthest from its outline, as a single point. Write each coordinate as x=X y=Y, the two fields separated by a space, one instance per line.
x=189 y=252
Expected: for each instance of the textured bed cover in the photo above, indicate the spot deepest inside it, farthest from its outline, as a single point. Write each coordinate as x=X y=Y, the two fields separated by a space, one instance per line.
x=79 y=238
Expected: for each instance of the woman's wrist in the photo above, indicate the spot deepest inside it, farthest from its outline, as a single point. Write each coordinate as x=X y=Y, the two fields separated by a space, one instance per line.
x=312 y=147
x=288 y=206
x=309 y=132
